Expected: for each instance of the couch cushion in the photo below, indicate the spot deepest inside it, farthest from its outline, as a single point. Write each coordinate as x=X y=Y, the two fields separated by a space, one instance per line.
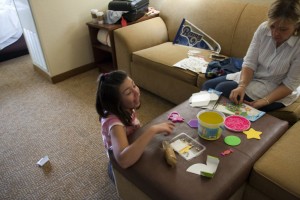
x=277 y=173
x=152 y=70
x=217 y=18
x=162 y=57
x=246 y=26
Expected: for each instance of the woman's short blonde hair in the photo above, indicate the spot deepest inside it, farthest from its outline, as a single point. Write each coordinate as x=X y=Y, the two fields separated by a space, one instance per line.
x=285 y=10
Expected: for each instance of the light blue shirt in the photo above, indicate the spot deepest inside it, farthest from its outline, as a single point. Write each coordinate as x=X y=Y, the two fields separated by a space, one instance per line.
x=272 y=66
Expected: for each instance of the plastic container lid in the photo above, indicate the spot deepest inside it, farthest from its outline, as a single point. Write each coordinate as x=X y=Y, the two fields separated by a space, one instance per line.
x=237 y=123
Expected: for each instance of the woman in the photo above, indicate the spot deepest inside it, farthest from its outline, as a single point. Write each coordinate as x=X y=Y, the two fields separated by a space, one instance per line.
x=271 y=69
x=117 y=99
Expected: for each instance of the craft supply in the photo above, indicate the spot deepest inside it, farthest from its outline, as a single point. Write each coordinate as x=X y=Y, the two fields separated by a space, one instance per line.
x=214 y=99
x=210 y=124
x=227 y=152
x=169 y=154
x=186 y=146
x=216 y=104
x=175 y=117
x=243 y=109
x=232 y=140
x=251 y=133
x=200 y=99
x=209 y=169
x=193 y=123
x=237 y=123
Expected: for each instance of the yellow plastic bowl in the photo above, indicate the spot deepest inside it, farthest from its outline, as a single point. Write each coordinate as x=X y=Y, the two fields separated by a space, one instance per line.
x=210 y=124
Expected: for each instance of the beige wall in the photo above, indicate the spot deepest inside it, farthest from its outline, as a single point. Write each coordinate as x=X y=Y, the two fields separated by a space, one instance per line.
x=63 y=33
x=156 y=3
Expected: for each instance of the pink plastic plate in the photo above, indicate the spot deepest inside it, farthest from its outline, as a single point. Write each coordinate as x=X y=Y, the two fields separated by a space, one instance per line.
x=237 y=123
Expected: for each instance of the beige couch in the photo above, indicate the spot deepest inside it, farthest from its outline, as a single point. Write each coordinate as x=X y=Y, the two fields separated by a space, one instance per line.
x=146 y=52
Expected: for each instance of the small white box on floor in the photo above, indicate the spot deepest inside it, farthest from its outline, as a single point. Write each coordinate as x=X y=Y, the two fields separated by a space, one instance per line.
x=43 y=161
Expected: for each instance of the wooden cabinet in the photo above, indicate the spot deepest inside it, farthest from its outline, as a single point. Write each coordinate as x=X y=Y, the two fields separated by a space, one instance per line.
x=105 y=56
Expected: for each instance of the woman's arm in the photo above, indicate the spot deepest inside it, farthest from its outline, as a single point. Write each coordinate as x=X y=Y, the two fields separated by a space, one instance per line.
x=246 y=76
x=280 y=92
x=127 y=154
x=249 y=65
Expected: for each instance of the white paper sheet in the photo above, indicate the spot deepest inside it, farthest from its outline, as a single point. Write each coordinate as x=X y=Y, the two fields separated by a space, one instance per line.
x=194 y=64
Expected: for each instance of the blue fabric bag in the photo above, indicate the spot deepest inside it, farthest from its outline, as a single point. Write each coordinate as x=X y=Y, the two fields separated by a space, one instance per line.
x=223 y=67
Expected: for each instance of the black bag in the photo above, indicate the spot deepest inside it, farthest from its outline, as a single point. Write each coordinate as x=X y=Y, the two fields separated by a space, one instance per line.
x=136 y=8
x=224 y=67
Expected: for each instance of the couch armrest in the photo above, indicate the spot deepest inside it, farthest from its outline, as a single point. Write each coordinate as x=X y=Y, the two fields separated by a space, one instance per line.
x=136 y=37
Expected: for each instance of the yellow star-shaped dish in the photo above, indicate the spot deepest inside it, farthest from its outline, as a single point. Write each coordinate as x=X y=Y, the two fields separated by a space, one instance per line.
x=251 y=133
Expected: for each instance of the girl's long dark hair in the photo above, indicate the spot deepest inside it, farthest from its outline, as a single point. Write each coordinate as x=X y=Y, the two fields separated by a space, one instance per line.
x=108 y=99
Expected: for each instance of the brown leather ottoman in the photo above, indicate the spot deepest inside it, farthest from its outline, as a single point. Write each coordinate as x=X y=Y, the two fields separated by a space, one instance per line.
x=276 y=174
x=158 y=181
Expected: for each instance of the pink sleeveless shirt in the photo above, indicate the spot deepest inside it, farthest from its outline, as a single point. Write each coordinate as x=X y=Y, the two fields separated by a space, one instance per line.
x=113 y=120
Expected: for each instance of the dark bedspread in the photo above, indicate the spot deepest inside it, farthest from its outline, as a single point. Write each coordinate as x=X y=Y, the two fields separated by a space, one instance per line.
x=19 y=48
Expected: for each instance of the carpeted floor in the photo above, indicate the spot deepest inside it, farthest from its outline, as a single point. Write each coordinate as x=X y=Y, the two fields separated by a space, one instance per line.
x=38 y=118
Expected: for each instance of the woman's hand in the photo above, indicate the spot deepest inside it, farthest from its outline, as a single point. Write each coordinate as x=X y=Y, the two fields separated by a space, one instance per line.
x=257 y=103
x=237 y=95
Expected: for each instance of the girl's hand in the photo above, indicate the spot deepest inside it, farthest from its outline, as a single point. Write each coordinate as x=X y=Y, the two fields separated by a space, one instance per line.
x=127 y=153
x=166 y=127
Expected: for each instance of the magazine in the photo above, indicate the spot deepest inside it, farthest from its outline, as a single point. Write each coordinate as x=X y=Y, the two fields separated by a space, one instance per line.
x=252 y=114
x=190 y=35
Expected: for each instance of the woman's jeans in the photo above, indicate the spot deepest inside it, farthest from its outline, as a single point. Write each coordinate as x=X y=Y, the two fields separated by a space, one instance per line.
x=226 y=86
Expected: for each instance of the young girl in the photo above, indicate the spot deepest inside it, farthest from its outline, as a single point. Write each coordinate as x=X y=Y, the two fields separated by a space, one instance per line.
x=116 y=101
